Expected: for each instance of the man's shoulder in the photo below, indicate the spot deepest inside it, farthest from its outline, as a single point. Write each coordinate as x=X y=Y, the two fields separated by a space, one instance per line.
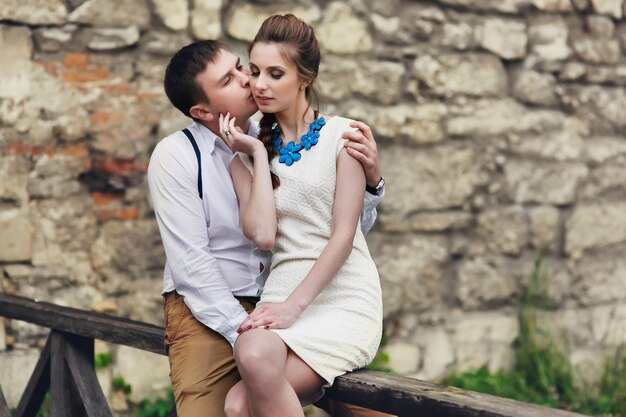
x=172 y=145
x=171 y=141
x=172 y=152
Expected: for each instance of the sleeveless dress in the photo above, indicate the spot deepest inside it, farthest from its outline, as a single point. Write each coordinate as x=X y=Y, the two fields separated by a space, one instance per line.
x=341 y=330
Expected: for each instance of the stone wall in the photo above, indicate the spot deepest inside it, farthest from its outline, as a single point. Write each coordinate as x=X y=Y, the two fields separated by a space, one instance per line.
x=501 y=128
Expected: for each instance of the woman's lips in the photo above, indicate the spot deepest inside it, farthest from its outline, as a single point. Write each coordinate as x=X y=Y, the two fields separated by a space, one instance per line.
x=263 y=100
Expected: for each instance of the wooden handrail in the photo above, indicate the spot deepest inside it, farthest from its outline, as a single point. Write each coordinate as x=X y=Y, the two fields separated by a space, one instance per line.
x=105 y=327
x=401 y=396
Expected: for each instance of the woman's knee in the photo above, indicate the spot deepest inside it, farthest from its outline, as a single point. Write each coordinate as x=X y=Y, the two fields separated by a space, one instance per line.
x=259 y=359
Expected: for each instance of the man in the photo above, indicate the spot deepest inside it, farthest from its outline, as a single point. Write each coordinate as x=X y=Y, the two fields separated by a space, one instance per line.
x=213 y=274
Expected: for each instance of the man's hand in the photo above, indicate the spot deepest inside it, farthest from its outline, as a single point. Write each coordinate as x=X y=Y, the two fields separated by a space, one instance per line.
x=362 y=147
x=271 y=316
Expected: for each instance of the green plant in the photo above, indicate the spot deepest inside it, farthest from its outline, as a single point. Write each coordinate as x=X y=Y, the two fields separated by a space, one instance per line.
x=611 y=399
x=102 y=360
x=160 y=407
x=381 y=360
x=542 y=373
x=44 y=410
x=119 y=383
x=380 y=363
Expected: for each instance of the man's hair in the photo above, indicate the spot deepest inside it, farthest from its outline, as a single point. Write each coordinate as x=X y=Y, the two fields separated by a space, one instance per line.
x=180 y=82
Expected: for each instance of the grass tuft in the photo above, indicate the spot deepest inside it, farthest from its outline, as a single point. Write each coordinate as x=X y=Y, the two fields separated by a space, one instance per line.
x=542 y=373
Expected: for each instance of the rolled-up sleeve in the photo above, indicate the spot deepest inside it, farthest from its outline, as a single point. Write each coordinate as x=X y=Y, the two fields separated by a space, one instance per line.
x=183 y=225
x=369 y=213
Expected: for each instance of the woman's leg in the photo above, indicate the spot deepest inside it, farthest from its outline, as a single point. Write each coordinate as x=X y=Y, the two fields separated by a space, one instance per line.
x=272 y=387
x=236 y=404
x=305 y=381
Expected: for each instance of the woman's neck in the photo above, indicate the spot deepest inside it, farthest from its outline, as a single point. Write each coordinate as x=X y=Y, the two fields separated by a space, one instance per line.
x=292 y=124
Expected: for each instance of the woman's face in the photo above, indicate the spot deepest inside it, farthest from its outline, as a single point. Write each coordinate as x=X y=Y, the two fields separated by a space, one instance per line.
x=274 y=80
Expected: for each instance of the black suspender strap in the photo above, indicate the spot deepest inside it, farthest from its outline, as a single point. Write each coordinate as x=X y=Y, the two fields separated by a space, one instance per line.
x=197 y=151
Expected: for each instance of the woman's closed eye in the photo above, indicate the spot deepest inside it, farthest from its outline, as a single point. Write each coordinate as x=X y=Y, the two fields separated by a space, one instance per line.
x=274 y=75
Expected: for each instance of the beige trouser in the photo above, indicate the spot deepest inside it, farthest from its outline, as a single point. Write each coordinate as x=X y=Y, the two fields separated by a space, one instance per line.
x=202 y=366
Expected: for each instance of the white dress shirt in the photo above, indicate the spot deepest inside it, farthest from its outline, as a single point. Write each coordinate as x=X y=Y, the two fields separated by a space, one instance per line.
x=208 y=259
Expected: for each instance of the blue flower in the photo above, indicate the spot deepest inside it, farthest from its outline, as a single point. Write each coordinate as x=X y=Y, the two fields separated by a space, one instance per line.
x=290 y=153
x=317 y=124
x=306 y=142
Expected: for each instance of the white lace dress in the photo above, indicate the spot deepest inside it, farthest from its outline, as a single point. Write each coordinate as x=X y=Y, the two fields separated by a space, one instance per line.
x=341 y=330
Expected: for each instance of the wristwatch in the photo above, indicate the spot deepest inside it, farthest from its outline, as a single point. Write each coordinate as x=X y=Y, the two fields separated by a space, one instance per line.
x=376 y=190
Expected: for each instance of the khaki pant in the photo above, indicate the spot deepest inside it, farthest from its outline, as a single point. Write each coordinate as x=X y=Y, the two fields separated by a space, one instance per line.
x=203 y=369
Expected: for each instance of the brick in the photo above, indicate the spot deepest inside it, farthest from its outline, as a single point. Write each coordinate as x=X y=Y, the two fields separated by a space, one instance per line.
x=118 y=89
x=76 y=75
x=76 y=60
x=75 y=149
x=121 y=213
x=50 y=67
x=107 y=117
x=20 y=148
x=105 y=199
x=128 y=213
x=122 y=166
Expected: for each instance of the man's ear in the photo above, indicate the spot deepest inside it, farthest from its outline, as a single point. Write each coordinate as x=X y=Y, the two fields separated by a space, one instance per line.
x=201 y=112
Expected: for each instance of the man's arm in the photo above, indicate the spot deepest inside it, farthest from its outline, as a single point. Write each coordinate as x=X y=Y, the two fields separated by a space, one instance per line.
x=362 y=147
x=184 y=232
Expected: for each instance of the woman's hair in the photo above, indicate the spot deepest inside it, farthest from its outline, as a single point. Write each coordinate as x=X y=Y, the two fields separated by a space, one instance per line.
x=298 y=44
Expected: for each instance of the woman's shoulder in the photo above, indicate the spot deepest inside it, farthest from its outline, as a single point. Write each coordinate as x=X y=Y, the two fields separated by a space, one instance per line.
x=339 y=123
x=337 y=120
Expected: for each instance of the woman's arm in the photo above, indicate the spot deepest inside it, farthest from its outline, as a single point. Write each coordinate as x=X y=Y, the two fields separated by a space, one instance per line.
x=362 y=147
x=349 y=191
x=256 y=200
x=254 y=191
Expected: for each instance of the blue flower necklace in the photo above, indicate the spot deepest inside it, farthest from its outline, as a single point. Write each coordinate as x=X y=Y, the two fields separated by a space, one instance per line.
x=291 y=152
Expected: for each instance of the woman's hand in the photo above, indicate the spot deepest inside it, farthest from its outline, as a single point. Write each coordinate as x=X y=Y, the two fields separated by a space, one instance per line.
x=362 y=147
x=234 y=137
x=271 y=316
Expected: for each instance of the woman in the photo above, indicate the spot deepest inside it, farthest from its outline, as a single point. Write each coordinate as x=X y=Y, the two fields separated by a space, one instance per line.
x=321 y=302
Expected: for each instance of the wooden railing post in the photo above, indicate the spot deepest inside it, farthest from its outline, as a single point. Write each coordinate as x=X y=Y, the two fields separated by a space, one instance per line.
x=4 y=408
x=37 y=386
x=63 y=393
x=80 y=361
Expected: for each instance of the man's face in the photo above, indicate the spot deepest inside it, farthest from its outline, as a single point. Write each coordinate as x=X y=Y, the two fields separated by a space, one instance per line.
x=225 y=83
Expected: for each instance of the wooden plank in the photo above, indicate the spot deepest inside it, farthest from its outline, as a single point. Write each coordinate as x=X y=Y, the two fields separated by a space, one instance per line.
x=65 y=400
x=4 y=408
x=89 y=324
x=375 y=390
x=80 y=360
x=37 y=386
x=411 y=397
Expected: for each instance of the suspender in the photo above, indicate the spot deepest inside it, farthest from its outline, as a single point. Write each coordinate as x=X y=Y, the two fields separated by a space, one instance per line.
x=197 y=151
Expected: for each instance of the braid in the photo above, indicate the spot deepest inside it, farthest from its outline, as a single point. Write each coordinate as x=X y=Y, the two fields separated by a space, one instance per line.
x=265 y=136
